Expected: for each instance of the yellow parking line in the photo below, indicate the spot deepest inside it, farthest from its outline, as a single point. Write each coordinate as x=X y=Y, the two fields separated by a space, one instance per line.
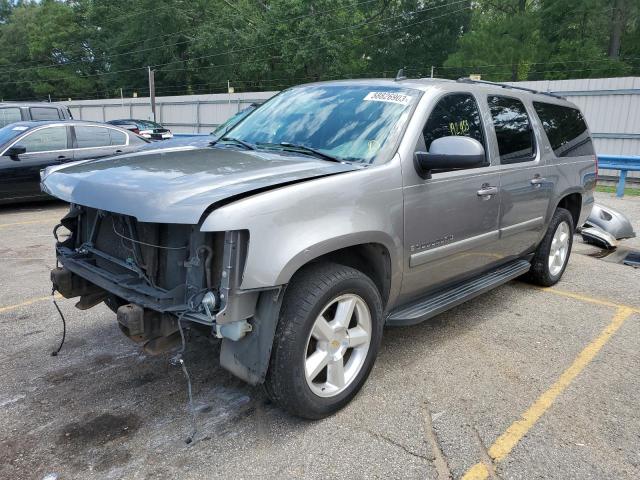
x=518 y=429
x=585 y=298
x=27 y=222
x=27 y=302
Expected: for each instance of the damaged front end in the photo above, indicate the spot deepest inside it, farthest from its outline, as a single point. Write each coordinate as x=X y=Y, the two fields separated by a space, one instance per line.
x=155 y=275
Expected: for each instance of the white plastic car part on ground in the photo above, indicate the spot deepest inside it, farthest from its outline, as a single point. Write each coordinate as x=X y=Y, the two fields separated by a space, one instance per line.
x=597 y=236
x=610 y=221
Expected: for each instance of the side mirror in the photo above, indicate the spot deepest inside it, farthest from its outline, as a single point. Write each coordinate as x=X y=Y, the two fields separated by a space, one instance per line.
x=15 y=151
x=450 y=153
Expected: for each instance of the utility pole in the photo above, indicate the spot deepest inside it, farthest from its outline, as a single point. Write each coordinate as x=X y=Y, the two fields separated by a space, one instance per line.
x=121 y=97
x=431 y=71
x=152 y=92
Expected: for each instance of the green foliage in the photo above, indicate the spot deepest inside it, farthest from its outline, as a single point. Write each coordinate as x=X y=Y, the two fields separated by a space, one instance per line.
x=94 y=48
x=547 y=39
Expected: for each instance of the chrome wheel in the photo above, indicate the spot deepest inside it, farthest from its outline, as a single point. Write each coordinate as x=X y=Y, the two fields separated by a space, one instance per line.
x=337 y=345
x=559 y=248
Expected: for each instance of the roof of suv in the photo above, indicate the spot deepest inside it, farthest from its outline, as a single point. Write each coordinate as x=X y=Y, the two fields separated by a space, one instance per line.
x=66 y=121
x=425 y=84
x=32 y=104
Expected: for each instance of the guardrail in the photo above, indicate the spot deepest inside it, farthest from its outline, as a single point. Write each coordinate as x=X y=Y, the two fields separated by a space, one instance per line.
x=624 y=163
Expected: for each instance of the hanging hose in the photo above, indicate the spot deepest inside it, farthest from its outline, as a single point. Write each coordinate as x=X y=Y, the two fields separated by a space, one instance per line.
x=178 y=360
x=207 y=262
x=64 y=323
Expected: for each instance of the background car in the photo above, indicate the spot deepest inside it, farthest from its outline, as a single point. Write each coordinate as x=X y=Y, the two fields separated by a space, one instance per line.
x=28 y=147
x=201 y=140
x=223 y=128
x=144 y=128
x=16 y=112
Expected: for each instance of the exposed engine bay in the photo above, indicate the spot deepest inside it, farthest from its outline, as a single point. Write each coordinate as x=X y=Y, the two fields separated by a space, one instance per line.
x=154 y=275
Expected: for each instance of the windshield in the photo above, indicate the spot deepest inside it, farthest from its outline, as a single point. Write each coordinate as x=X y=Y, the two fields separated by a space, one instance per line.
x=348 y=122
x=11 y=131
x=228 y=125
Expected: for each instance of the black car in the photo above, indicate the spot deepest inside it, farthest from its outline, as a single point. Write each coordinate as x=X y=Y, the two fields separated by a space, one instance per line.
x=144 y=128
x=202 y=140
x=28 y=147
x=18 y=112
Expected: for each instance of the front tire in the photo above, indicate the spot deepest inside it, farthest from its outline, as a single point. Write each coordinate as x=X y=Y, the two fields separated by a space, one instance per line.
x=552 y=255
x=326 y=342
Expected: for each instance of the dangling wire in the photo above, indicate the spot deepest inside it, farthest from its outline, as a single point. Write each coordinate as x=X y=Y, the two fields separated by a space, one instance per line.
x=64 y=323
x=178 y=360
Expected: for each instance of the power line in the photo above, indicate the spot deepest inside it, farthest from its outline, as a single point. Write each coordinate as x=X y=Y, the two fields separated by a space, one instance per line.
x=352 y=27
x=110 y=56
x=602 y=60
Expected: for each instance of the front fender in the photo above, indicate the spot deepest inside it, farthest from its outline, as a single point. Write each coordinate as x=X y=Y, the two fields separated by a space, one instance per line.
x=292 y=225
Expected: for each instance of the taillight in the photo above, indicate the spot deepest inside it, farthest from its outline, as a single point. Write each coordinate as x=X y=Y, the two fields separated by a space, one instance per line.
x=595 y=157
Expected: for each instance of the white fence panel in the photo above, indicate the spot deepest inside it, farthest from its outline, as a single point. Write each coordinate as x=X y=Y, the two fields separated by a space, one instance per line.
x=610 y=105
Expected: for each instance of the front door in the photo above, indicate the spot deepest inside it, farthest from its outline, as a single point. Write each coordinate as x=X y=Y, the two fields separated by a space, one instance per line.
x=44 y=146
x=451 y=219
x=525 y=190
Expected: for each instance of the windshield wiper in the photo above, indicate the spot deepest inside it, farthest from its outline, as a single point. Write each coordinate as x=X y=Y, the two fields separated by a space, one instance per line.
x=300 y=148
x=237 y=141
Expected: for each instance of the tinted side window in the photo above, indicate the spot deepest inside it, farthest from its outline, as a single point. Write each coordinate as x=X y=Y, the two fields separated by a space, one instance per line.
x=566 y=130
x=513 y=129
x=92 y=137
x=135 y=140
x=9 y=115
x=46 y=139
x=44 y=113
x=117 y=138
x=455 y=114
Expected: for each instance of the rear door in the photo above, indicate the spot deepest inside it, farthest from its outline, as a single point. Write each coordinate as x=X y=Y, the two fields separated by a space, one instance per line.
x=525 y=191
x=44 y=146
x=95 y=141
x=45 y=113
x=451 y=227
x=9 y=115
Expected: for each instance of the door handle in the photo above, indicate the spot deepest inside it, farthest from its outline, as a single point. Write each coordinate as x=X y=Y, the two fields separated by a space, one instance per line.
x=61 y=158
x=486 y=191
x=118 y=151
x=537 y=181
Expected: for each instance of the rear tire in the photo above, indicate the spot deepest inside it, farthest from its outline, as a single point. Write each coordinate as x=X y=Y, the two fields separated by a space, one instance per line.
x=326 y=341
x=552 y=255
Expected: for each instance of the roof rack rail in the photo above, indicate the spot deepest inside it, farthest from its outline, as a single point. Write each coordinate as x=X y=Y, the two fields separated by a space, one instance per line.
x=505 y=85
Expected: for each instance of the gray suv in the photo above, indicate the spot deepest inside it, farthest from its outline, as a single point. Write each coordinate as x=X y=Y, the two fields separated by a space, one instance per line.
x=333 y=210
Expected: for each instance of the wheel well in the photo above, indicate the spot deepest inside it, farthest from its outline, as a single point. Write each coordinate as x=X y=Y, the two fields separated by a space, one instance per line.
x=573 y=203
x=372 y=259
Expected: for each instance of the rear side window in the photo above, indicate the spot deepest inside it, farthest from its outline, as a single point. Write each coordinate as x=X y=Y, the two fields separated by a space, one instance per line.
x=117 y=137
x=566 y=130
x=92 y=137
x=9 y=115
x=513 y=129
x=135 y=139
x=455 y=114
x=45 y=140
x=44 y=113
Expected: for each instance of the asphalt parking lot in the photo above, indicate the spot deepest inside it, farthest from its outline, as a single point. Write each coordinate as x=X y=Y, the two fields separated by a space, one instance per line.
x=520 y=383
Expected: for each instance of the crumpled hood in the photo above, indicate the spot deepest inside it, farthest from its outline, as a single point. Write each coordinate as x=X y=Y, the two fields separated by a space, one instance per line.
x=178 y=185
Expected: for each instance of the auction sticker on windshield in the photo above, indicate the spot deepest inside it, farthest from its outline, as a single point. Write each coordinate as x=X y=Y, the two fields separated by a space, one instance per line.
x=391 y=97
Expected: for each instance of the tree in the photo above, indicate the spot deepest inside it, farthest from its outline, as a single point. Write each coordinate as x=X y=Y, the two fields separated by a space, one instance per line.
x=501 y=42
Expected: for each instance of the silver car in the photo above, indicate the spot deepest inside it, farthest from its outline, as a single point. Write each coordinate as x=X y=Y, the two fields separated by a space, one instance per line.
x=333 y=210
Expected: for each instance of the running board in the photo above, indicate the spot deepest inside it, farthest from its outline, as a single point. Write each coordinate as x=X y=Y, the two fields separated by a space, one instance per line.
x=443 y=300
